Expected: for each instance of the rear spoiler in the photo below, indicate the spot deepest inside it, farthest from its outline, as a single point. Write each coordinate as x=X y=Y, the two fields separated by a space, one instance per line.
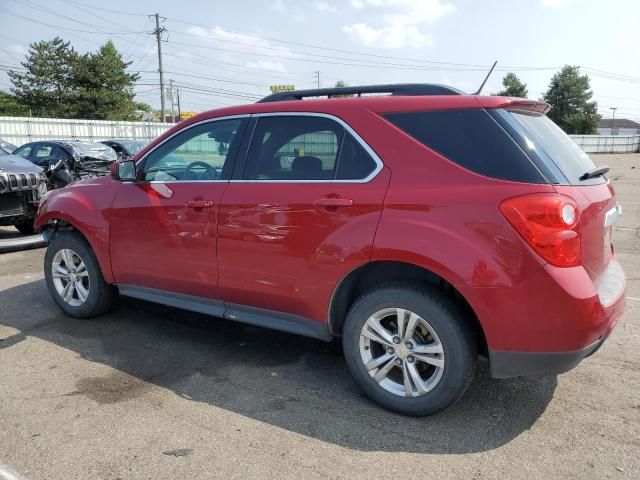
x=514 y=103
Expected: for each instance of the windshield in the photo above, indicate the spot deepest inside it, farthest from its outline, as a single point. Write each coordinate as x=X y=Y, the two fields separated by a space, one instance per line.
x=546 y=137
x=7 y=147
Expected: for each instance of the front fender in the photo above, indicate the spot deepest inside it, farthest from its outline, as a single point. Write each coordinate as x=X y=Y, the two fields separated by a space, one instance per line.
x=85 y=206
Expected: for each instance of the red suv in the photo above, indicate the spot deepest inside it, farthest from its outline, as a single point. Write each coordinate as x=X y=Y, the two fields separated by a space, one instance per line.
x=423 y=226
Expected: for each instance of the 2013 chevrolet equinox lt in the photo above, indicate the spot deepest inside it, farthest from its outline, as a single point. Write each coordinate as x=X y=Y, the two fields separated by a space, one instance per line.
x=424 y=227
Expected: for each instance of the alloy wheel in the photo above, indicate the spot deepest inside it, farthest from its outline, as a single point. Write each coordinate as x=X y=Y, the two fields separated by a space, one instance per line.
x=402 y=352
x=70 y=277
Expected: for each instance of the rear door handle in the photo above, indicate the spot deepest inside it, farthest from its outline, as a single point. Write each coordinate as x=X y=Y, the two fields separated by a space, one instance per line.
x=333 y=202
x=197 y=204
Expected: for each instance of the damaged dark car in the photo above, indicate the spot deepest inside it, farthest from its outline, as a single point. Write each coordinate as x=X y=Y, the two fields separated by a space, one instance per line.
x=81 y=159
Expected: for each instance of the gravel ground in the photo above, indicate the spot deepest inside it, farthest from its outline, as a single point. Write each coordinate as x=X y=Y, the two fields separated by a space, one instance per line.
x=158 y=393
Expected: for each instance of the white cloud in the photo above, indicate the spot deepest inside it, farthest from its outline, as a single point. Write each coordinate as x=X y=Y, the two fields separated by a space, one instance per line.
x=554 y=3
x=278 y=6
x=17 y=49
x=392 y=36
x=402 y=22
x=13 y=54
x=267 y=65
x=239 y=41
x=325 y=7
x=289 y=9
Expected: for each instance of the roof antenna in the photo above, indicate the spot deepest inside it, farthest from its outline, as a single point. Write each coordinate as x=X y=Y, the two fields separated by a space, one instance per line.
x=486 y=78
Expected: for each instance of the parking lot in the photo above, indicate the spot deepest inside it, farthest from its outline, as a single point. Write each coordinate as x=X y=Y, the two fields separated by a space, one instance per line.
x=153 y=392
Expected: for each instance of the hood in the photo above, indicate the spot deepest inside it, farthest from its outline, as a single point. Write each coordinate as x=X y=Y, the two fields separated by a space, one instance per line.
x=15 y=164
x=18 y=174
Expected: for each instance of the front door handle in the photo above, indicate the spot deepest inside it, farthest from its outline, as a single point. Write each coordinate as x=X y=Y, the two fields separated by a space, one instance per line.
x=333 y=202
x=200 y=204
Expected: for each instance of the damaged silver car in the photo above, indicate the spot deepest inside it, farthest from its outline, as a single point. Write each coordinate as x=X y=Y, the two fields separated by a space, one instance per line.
x=22 y=186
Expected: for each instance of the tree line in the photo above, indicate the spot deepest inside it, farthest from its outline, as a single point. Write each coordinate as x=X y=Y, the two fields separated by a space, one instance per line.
x=57 y=81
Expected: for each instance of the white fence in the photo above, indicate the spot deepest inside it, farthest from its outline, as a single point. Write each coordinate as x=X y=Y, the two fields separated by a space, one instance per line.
x=608 y=143
x=19 y=130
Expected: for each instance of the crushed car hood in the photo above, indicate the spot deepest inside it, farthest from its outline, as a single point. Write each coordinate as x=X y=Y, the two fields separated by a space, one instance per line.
x=92 y=151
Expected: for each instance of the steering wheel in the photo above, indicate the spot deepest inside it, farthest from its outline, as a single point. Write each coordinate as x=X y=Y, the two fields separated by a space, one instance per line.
x=200 y=171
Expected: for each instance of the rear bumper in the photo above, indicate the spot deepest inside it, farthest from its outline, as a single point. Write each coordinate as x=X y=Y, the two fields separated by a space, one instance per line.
x=506 y=363
x=527 y=364
x=549 y=323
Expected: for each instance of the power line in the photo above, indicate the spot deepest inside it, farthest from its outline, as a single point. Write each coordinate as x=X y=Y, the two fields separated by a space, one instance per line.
x=330 y=62
x=108 y=10
x=218 y=91
x=217 y=79
x=30 y=4
x=218 y=64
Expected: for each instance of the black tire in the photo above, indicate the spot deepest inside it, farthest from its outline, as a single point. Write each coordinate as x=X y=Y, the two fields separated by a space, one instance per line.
x=25 y=227
x=449 y=323
x=101 y=297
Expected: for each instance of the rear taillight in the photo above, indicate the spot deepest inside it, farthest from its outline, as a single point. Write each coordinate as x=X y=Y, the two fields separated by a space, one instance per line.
x=549 y=223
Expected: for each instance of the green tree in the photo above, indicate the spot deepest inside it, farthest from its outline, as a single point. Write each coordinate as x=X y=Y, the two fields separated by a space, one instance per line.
x=46 y=85
x=513 y=87
x=341 y=84
x=11 y=106
x=569 y=95
x=104 y=88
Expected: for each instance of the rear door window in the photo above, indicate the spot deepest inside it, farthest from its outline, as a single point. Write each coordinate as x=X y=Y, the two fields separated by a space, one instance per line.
x=43 y=151
x=293 y=148
x=472 y=139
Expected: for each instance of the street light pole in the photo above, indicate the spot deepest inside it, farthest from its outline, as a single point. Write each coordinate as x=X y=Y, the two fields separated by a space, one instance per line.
x=613 y=119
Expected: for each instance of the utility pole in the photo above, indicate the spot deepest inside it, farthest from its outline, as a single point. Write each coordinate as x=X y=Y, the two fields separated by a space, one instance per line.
x=178 y=98
x=317 y=74
x=173 y=115
x=158 y=33
x=613 y=119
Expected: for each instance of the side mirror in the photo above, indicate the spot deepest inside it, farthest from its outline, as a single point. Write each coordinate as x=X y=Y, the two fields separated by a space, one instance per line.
x=124 y=170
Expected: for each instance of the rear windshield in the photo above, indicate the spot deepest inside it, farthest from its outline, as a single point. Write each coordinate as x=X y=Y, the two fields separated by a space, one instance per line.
x=471 y=138
x=546 y=138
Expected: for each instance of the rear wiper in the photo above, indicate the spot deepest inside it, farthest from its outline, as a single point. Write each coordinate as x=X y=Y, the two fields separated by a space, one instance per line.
x=596 y=172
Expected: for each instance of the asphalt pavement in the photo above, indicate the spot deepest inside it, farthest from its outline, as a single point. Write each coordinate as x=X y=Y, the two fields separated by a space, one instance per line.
x=151 y=392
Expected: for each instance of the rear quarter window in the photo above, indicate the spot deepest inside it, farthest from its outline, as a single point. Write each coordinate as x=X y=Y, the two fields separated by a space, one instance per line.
x=472 y=139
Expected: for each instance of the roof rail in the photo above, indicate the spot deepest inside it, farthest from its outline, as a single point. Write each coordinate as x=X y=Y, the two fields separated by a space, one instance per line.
x=407 y=89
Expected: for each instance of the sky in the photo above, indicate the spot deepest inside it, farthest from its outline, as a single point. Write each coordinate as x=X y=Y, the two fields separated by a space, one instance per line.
x=221 y=53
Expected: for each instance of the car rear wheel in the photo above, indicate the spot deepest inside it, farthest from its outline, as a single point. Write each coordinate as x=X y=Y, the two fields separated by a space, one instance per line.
x=409 y=349
x=74 y=279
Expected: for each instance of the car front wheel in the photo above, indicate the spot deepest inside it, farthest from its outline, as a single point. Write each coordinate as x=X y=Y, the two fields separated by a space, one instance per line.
x=74 y=279
x=409 y=349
